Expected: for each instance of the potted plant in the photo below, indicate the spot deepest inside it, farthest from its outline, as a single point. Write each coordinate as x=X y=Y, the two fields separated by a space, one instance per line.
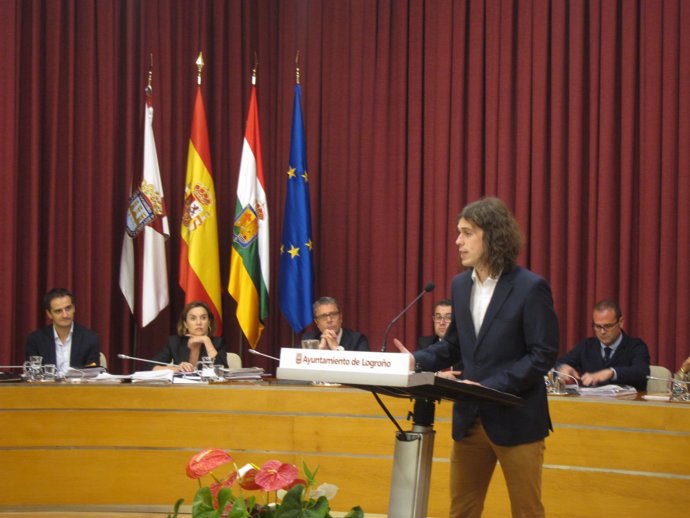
x=282 y=494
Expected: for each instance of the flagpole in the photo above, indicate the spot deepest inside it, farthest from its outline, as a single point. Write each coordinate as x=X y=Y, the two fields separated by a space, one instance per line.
x=240 y=333
x=293 y=334
x=297 y=68
x=200 y=67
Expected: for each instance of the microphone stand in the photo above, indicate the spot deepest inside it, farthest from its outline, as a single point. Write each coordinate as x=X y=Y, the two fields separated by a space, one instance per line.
x=254 y=351
x=429 y=287
x=125 y=357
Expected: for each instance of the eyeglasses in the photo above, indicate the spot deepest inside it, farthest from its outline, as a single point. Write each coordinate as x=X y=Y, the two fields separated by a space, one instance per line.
x=605 y=327
x=442 y=318
x=326 y=316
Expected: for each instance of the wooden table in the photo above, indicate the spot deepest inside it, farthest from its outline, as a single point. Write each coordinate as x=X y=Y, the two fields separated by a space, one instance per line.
x=125 y=447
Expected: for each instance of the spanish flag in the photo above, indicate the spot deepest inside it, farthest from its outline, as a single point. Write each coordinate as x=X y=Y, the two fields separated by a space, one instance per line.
x=249 y=267
x=199 y=258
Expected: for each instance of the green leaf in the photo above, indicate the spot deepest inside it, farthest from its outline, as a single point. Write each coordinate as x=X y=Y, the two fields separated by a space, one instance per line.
x=355 y=512
x=238 y=510
x=176 y=508
x=311 y=477
x=202 y=507
x=224 y=497
x=292 y=500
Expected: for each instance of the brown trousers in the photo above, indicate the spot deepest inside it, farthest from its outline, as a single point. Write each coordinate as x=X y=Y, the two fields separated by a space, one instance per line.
x=472 y=464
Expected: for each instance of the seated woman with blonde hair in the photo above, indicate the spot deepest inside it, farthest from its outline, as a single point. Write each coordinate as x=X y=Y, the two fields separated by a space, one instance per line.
x=194 y=340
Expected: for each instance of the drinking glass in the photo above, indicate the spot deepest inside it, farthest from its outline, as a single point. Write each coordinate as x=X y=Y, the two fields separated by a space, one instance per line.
x=49 y=372
x=310 y=344
x=205 y=367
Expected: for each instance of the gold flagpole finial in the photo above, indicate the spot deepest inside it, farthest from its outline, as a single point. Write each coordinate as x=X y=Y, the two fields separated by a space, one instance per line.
x=199 y=66
x=149 y=82
x=297 y=68
x=256 y=65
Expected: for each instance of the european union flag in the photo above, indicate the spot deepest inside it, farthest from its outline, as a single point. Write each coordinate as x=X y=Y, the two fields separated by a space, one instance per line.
x=296 y=272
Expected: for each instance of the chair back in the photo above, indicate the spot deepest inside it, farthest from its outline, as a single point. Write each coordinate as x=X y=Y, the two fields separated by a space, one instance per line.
x=659 y=386
x=234 y=361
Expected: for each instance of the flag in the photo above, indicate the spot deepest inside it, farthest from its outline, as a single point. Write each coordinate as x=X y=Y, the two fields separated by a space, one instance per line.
x=296 y=273
x=199 y=258
x=249 y=268
x=146 y=215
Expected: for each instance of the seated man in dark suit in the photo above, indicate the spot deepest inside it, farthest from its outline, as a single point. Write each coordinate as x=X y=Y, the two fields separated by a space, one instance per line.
x=609 y=357
x=64 y=343
x=331 y=334
x=442 y=317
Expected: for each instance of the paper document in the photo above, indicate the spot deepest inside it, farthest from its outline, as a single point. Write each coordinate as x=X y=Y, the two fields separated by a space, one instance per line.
x=609 y=391
x=163 y=375
x=84 y=373
x=244 y=373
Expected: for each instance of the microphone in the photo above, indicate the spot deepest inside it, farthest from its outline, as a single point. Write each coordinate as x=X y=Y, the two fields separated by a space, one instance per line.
x=558 y=388
x=253 y=351
x=429 y=287
x=559 y=373
x=125 y=357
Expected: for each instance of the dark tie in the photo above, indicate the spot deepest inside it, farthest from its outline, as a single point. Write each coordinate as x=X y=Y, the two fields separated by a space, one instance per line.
x=607 y=355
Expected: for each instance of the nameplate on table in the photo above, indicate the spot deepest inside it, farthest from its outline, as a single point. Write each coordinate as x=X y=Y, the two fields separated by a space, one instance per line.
x=352 y=367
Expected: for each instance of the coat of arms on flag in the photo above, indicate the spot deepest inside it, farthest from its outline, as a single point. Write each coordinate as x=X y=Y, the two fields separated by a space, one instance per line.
x=197 y=203
x=145 y=205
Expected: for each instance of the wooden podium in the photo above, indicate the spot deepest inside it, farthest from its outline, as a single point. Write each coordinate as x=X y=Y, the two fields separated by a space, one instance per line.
x=412 y=459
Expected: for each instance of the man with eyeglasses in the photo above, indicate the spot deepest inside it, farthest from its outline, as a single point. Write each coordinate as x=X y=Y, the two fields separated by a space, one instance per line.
x=332 y=335
x=609 y=357
x=442 y=317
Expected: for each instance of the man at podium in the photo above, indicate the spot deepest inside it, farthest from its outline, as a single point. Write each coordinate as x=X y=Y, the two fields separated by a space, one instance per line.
x=504 y=335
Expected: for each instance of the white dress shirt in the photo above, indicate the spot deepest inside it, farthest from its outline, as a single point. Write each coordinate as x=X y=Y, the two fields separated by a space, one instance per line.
x=480 y=298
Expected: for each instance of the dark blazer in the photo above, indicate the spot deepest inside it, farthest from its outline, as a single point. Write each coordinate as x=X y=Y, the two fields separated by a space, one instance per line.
x=86 y=346
x=631 y=360
x=350 y=341
x=515 y=347
x=176 y=351
x=426 y=341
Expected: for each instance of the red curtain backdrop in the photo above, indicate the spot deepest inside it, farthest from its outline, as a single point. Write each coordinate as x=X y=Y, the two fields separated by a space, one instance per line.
x=577 y=114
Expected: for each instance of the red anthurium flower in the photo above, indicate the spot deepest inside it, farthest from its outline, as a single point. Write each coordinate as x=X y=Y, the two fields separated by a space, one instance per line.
x=275 y=475
x=206 y=461
x=247 y=480
x=215 y=488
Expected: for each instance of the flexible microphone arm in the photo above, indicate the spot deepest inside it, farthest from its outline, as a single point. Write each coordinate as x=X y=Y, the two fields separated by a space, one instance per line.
x=253 y=351
x=429 y=287
x=671 y=380
x=125 y=357
x=559 y=373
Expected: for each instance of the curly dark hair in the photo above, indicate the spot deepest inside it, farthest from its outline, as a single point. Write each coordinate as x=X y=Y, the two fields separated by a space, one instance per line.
x=502 y=236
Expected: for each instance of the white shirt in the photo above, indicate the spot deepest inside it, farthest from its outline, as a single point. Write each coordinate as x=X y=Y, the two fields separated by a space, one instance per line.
x=63 y=350
x=480 y=298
